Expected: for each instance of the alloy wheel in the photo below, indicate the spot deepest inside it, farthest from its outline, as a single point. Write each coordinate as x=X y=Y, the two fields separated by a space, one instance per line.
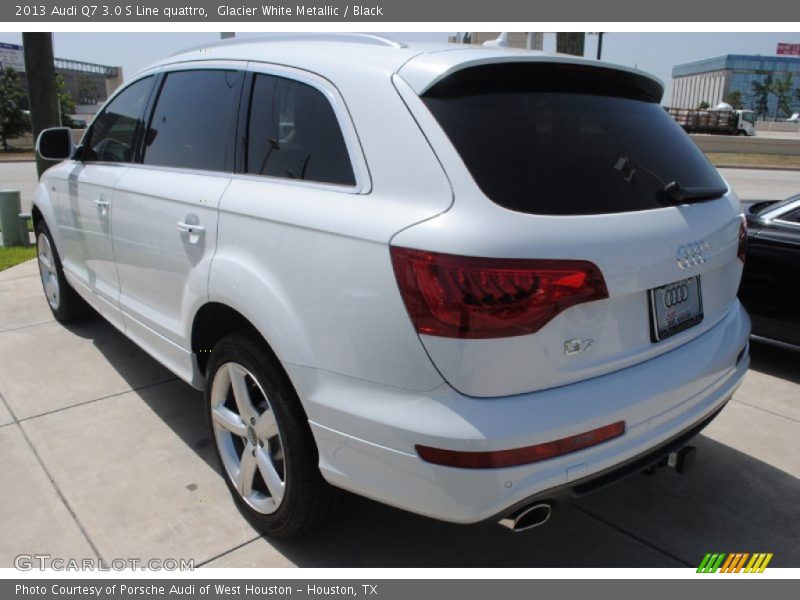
x=247 y=436
x=47 y=270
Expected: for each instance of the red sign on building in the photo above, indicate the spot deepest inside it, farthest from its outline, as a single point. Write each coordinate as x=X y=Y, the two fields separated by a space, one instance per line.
x=789 y=49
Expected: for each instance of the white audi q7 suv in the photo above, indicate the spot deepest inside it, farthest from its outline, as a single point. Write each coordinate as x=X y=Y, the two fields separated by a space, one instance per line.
x=467 y=282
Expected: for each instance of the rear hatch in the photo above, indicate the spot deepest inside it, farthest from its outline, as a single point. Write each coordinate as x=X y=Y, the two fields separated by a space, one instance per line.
x=588 y=232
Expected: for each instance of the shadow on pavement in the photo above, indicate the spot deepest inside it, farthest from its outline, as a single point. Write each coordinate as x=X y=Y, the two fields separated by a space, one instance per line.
x=183 y=412
x=778 y=361
x=729 y=502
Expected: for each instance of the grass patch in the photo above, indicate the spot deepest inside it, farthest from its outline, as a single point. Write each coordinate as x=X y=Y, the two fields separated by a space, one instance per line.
x=753 y=160
x=14 y=255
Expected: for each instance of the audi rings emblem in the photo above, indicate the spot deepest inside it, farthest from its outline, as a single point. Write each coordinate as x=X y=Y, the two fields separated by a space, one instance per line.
x=693 y=254
x=676 y=295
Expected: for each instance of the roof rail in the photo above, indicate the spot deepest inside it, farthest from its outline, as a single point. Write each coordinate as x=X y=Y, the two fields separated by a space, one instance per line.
x=353 y=38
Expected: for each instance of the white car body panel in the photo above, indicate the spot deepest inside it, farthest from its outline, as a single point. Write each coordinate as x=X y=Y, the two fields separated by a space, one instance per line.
x=163 y=271
x=365 y=431
x=309 y=266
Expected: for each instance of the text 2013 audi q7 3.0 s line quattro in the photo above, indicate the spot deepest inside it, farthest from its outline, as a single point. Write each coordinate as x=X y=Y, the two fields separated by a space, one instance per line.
x=462 y=281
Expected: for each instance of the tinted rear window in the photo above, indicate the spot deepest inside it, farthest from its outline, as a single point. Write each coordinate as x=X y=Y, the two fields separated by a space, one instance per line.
x=567 y=140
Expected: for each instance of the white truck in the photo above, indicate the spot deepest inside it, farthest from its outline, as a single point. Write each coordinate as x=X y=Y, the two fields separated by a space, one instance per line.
x=721 y=120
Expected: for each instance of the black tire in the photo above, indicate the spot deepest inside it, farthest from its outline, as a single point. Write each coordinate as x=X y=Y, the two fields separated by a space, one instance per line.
x=308 y=500
x=66 y=305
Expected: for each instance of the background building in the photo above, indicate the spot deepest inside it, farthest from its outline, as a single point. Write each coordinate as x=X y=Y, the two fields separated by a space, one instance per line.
x=89 y=84
x=712 y=80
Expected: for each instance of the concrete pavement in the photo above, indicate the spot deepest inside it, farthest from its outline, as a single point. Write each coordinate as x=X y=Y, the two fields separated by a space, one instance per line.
x=107 y=455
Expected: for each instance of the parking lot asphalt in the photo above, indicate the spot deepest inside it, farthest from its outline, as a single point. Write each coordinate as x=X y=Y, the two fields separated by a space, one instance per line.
x=106 y=455
x=750 y=184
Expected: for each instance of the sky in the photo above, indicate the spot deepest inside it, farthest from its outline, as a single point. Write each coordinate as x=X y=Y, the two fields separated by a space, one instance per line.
x=656 y=53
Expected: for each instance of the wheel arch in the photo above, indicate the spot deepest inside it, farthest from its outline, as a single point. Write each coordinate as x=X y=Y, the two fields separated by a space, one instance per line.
x=43 y=211
x=212 y=322
x=216 y=319
x=36 y=216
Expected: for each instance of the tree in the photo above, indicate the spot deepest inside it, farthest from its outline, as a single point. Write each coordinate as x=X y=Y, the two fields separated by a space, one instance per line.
x=66 y=105
x=782 y=90
x=42 y=93
x=761 y=91
x=570 y=43
x=87 y=90
x=734 y=98
x=13 y=120
x=704 y=105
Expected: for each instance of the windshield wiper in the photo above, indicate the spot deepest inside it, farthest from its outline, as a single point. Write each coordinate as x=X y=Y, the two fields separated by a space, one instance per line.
x=675 y=193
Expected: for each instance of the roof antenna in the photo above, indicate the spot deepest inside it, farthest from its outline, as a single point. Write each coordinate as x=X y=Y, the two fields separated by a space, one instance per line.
x=500 y=42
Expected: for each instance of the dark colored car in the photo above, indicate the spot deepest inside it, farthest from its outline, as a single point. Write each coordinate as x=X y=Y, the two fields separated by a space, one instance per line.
x=770 y=288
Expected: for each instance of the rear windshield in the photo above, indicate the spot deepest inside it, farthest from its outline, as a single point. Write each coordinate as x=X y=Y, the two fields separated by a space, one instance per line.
x=568 y=139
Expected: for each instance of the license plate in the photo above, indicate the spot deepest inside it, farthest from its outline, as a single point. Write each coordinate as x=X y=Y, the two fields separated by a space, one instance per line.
x=675 y=307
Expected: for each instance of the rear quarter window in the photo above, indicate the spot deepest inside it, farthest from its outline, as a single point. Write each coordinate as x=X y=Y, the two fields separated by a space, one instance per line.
x=293 y=133
x=567 y=140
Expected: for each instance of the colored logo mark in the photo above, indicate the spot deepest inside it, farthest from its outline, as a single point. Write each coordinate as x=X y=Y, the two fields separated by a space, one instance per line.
x=735 y=563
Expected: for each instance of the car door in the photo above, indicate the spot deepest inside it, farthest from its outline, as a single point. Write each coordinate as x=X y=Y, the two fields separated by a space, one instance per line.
x=165 y=207
x=84 y=210
x=772 y=275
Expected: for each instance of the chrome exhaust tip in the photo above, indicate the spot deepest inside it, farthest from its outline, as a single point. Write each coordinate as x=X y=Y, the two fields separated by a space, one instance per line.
x=528 y=517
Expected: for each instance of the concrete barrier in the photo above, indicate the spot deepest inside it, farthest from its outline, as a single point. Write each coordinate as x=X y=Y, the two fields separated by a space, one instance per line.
x=746 y=145
x=9 y=218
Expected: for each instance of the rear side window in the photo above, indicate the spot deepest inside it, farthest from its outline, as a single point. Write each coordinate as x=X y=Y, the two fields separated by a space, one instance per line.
x=194 y=121
x=569 y=140
x=115 y=131
x=293 y=133
x=791 y=217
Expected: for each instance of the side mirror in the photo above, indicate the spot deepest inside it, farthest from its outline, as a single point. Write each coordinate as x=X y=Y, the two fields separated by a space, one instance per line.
x=55 y=143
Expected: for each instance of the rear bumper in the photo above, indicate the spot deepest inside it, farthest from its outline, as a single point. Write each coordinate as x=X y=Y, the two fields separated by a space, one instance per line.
x=366 y=432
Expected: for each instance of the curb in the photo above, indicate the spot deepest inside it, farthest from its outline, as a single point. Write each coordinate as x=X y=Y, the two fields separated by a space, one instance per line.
x=757 y=167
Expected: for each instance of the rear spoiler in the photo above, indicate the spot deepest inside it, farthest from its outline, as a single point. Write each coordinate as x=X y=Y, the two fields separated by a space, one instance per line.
x=426 y=70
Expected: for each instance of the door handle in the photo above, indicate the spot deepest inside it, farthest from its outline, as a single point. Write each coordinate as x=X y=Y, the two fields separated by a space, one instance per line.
x=102 y=205
x=190 y=229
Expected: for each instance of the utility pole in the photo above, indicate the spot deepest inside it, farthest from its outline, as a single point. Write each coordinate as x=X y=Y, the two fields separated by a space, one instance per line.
x=42 y=93
x=570 y=43
x=599 y=44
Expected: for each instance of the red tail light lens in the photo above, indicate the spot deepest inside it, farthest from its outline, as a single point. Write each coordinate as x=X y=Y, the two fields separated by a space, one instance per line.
x=520 y=456
x=742 y=250
x=479 y=298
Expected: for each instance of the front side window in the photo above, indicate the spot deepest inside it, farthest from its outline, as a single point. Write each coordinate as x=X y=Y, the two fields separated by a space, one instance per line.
x=293 y=133
x=116 y=130
x=194 y=121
